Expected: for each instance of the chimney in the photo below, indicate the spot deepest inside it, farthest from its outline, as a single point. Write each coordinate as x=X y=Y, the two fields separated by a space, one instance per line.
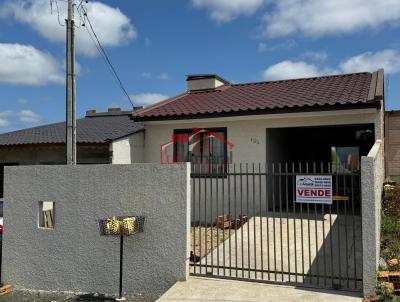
x=197 y=82
x=91 y=112
x=114 y=110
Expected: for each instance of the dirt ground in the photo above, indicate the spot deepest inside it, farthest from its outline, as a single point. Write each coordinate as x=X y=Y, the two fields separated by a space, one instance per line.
x=208 y=237
x=28 y=296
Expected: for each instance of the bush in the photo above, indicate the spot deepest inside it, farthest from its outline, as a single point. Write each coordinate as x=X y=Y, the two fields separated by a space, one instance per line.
x=391 y=206
x=390 y=226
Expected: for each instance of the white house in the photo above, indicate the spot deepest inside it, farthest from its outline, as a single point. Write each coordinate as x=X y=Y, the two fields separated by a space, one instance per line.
x=278 y=121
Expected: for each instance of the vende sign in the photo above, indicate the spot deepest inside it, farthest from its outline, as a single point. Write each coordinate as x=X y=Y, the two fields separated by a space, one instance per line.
x=314 y=189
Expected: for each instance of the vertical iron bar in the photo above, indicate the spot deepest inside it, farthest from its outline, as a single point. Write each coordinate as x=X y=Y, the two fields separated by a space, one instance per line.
x=254 y=226
x=267 y=209
x=261 y=222
x=211 y=213
x=316 y=230
x=205 y=217
x=121 y=260
x=287 y=218
x=200 y=222
x=193 y=225
x=217 y=214
x=280 y=216
x=230 y=224
x=294 y=218
x=354 y=231
x=361 y=230
x=346 y=230
x=331 y=233
x=234 y=184
x=273 y=213
x=323 y=231
x=239 y=222
x=338 y=225
x=248 y=225
x=302 y=232
x=223 y=213
x=309 y=235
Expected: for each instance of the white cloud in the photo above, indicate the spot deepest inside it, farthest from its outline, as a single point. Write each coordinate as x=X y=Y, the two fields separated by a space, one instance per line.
x=286 y=44
x=146 y=75
x=262 y=47
x=163 y=76
x=317 y=18
x=389 y=59
x=147 y=99
x=22 y=101
x=111 y=25
x=289 y=70
x=23 y=117
x=315 y=55
x=29 y=117
x=5 y=118
x=26 y=65
x=227 y=10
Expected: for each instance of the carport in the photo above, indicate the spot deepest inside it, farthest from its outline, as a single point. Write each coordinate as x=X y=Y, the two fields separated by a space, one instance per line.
x=341 y=145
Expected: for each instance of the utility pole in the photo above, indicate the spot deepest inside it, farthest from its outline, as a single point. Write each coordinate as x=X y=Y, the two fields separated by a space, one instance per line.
x=70 y=89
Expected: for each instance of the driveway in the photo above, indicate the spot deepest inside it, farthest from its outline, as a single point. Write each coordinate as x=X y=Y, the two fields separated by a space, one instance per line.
x=312 y=246
x=205 y=289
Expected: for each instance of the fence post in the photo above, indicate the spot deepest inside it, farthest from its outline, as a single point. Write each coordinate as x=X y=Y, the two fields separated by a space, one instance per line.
x=371 y=189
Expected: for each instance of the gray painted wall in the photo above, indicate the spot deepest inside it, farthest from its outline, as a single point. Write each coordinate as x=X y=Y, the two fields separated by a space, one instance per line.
x=73 y=256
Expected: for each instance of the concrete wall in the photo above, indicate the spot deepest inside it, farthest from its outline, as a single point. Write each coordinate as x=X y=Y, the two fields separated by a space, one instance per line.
x=372 y=177
x=128 y=149
x=249 y=132
x=392 y=144
x=73 y=256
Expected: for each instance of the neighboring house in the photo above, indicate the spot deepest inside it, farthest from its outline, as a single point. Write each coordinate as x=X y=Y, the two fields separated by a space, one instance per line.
x=311 y=119
x=392 y=140
x=102 y=138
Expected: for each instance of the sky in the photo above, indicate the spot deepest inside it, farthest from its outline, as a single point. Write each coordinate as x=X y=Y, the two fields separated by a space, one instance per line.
x=154 y=44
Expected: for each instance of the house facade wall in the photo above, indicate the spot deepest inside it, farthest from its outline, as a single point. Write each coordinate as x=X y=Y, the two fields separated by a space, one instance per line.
x=248 y=134
x=53 y=154
x=128 y=149
x=73 y=256
x=392 y=143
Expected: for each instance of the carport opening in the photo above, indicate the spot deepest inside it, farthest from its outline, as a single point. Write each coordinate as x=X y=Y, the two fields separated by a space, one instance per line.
x=341 y=146
x=336 y=150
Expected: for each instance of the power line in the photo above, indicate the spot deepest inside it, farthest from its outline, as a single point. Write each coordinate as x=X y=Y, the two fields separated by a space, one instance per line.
x=58 y=10
x=103 y=53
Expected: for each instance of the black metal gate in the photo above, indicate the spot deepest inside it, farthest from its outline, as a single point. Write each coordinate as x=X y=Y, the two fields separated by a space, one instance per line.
x=247 y=225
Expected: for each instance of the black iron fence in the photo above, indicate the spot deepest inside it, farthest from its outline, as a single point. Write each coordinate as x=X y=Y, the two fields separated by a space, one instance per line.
x=248 y=224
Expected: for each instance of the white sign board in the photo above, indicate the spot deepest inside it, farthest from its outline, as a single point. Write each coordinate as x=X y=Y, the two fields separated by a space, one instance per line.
x=314 y=189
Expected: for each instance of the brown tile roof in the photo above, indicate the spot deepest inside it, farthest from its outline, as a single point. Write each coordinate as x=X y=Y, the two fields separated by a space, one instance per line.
x=89 y=130
x=274 y=96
